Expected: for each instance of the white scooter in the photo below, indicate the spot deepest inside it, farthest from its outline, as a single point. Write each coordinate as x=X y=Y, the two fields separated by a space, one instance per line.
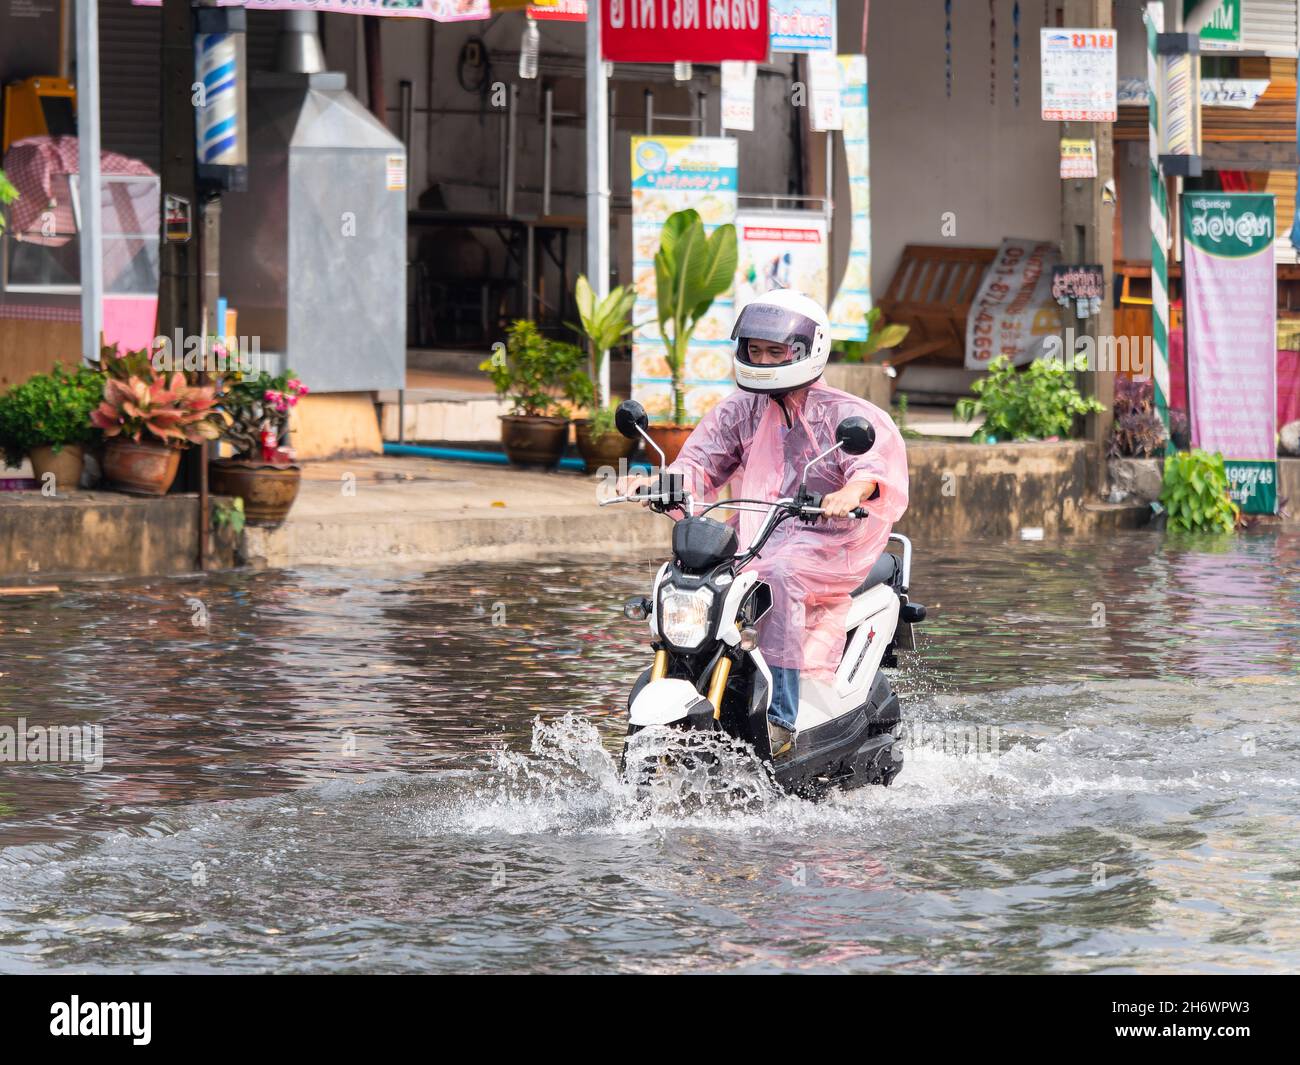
x=703 y=615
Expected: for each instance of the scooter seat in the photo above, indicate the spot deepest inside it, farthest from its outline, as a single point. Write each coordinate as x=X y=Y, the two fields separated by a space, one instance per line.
x=887 y=570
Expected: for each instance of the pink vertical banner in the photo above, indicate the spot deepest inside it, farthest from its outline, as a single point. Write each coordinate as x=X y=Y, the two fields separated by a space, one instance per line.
x=1230 y=308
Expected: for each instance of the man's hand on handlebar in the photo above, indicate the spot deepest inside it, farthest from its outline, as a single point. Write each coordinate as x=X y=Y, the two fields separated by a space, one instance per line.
x=628 y=486
x=842 y=503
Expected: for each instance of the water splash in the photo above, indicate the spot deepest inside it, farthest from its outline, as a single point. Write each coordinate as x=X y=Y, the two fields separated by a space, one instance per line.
x=568 y=778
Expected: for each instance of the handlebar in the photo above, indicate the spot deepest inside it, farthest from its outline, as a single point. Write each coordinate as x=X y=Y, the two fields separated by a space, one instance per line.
x=669 y=492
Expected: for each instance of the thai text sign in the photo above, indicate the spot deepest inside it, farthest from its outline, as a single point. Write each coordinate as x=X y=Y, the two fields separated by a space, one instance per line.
x=693 y=31
x=802 y=25
x=1013 y=313
x=1080 y=82
x=1230 y=298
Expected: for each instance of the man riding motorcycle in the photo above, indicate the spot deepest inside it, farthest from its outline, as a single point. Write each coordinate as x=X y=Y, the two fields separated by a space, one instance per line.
x=761 y=438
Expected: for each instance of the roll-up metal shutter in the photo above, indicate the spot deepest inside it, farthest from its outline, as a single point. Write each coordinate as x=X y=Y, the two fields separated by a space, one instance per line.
x=130 y=52
x=1270 y=26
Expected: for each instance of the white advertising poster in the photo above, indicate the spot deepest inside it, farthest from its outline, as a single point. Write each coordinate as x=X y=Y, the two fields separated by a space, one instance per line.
x=825 y=108
x=1013 y=313
x=738 y=77
x=670 y=174
x=853 y=298
x=1080 y=79
x=780 y=249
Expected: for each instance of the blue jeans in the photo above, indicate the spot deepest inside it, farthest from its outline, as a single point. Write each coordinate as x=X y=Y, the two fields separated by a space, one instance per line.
x=785 y=697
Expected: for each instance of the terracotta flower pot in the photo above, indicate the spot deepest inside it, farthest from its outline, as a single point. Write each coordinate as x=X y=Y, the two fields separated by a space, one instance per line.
x=670 y=439
x=268 y=490
x=65 y=464
x=603 y=449
x=145 y=469
x=533 y=440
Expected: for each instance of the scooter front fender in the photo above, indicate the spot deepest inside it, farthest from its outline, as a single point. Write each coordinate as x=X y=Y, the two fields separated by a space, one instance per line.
x=663 y=702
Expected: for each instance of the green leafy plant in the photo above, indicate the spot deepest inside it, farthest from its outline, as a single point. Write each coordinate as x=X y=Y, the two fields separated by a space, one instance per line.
x=537 y=374
x=691 y=271
x=257 y=404
x=229 y=515
x=48 y=410
x=602 y=418
x=7 y=196
x=604 y=323
x=125 y=365
x=1032 y=404
x=900 y=417
x=880 y=336
x=1196 y=493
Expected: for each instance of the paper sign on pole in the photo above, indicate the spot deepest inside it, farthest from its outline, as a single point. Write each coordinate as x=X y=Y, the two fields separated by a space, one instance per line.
x=1078 y=158
x=1080 y=82
x=738 y=79
x=824 y=92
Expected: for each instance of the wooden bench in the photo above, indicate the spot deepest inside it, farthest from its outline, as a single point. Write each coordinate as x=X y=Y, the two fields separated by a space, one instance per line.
x=931 y=292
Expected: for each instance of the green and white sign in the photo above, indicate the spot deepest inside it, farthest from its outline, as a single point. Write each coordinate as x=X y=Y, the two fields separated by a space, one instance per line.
x=1230 y=300
x=1223 y=29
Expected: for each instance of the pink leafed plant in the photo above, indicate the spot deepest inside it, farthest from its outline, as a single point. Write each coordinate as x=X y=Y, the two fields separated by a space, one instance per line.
x=166 y=408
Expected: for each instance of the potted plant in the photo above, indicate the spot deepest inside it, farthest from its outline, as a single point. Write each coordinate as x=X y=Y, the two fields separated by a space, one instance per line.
x=536 y=375
x=691 y=271
x=261 y=472
x=851 y=368
x=149 y=418
x=47 y=418
x=1034 y=404
x=880 y=336
x=1197 y=493
x=604 y=323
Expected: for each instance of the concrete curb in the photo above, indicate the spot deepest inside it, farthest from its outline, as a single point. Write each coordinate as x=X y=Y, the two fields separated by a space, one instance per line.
x=461 y=539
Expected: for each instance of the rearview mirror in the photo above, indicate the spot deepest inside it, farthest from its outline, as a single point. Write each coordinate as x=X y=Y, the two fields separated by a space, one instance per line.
x=855 y=435
x=629 y=418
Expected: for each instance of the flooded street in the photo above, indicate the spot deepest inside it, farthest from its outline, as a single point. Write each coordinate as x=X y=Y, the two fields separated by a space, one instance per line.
x=334 y=770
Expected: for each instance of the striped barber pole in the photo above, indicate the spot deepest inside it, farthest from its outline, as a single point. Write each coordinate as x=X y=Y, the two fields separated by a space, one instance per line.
x=218 y=118
x=1155 y=23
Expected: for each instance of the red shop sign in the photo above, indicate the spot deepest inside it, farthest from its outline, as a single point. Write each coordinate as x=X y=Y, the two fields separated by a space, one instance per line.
x=694 y=31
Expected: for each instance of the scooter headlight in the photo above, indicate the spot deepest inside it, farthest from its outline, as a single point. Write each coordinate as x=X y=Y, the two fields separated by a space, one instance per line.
x=684 y=616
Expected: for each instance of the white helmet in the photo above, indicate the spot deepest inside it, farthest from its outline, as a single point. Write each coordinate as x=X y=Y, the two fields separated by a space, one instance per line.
x=782 y=316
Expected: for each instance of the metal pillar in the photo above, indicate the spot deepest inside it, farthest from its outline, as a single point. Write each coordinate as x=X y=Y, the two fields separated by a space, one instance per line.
x=1087 y=227
x=92 y=259
x=597 y=176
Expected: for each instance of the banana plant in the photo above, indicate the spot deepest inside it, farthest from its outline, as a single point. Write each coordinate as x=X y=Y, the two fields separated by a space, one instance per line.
x=879 y=337
x=7 y=196
x=691 y=270
x=604 y=322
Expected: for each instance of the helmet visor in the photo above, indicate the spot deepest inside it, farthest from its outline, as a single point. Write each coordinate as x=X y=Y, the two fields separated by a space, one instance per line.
x=763 y=328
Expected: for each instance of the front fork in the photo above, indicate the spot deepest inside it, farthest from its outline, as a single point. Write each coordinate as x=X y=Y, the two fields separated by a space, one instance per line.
x=717 y=682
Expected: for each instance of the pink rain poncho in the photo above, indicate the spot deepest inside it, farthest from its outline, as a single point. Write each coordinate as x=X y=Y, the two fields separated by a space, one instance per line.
x=811 y=568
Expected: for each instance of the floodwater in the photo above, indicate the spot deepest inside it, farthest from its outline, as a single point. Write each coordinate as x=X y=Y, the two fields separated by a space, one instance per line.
x=335 y=770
